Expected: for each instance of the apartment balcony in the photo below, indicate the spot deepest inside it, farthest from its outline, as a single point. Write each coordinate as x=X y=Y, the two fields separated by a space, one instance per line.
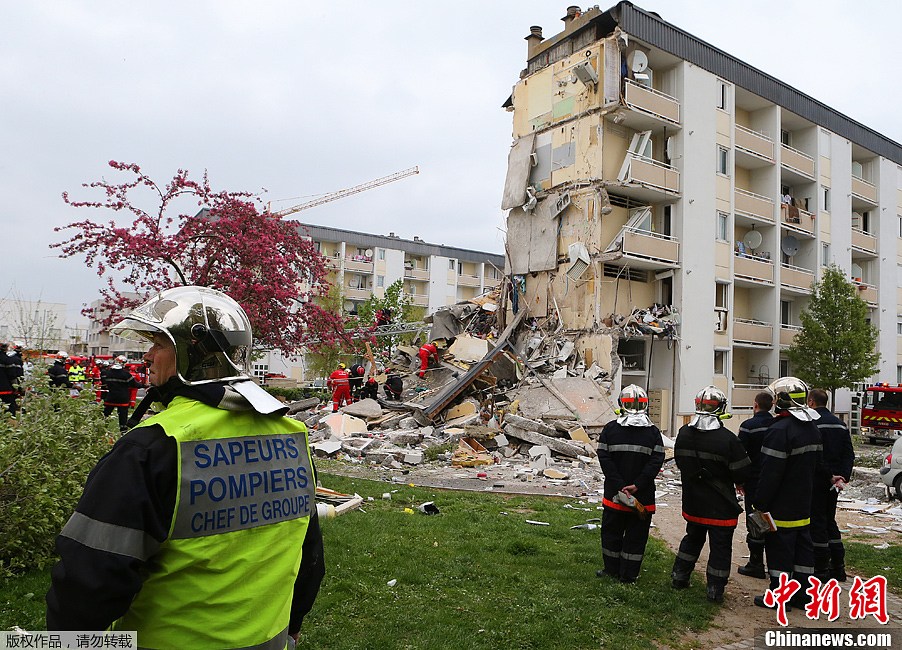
x=755 y=206
x=864 y=190
x=416 y=274
x=796 y=278
x=649 y=180
x=492 y=283
x=354 y=293
x=333 y=263
x=797 y=220
x=359 y=265
x=464 y=280
x=788 y=334
x=864 y=241
x=797 y=161
x=754 y=143
x=650 y=250
x=743 y=395
x=867 y=292
x=420 y=300
x=754 y=270
x=651 y=108
x=752 y=333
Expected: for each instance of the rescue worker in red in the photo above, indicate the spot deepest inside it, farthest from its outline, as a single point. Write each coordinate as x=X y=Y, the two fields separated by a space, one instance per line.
x=428 y=353
x=631 y=454
x=341 y=389
x=791 y=456
x=116 y=384
x=712 y=464
x=836 y=471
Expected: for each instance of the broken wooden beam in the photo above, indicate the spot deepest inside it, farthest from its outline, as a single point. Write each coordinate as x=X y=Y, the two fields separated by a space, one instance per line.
x=571 y=449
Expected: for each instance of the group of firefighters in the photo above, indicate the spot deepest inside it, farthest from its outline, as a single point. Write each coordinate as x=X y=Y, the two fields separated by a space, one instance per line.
x=790 y=466
x=115 y=380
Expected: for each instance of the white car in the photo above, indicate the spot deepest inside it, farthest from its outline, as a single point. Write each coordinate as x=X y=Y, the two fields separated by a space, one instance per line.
x=891 y=472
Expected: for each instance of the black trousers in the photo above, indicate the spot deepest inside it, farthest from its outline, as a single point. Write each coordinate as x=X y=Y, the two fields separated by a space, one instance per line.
x=790 y=551
x=624 y=536
x=11 y=404
x=720 y=553
x=825 y=535
x=121 y=412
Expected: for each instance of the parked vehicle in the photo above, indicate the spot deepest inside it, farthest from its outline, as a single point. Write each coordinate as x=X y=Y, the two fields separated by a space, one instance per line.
x=891 y=472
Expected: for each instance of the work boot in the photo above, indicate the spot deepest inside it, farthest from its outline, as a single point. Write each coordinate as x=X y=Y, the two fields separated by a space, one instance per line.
x=838 y=571
x=679 y=580
x=754 y=568
x=601 y=573
x=715 y=593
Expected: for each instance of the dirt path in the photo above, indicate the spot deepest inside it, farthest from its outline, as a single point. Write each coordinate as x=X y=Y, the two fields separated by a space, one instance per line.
x=738 y=620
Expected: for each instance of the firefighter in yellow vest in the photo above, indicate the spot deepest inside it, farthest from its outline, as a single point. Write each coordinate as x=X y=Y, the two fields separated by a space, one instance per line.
x=199 y=528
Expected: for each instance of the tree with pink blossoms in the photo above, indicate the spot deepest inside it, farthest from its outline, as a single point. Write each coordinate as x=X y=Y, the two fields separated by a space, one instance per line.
x=262 y=261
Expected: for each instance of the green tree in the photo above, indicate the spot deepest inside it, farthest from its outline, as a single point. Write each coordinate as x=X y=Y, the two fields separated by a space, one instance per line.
x=402 y=309
x=323 y=356
x=837 y=346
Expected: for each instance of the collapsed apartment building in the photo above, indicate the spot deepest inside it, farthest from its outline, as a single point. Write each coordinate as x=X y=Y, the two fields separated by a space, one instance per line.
x=673 y=205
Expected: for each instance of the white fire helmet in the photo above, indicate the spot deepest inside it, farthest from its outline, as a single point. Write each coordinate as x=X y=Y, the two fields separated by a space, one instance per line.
x=791 y=395
x=633 y=411
x=710 y=406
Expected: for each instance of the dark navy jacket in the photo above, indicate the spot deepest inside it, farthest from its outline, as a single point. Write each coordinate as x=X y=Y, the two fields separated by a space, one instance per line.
x=630 y=456
x=751 y=435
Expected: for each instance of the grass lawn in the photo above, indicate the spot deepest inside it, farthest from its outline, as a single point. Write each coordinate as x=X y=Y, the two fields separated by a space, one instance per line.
x=475 y=576
x=870 y=562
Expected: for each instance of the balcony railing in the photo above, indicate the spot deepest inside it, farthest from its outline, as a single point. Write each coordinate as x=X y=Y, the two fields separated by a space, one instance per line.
x=797 y=160
x=796 y=276
x=744 y=394
x=354 y=264
x=754 y=205
x=468 y=280
x=753 y=331
x=788 y=333
x=754 y=142
x=796 y=218
x=648 y=171
x=864 y=189
x=649 y=100
x=420 y=301
x=651 y=245
x=864 y=240
x=356 y=293
x=868 y=292
x=755 y=268
x=416 y=274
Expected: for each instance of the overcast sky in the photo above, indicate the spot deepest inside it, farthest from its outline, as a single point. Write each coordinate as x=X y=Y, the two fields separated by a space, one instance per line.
x=304 y=98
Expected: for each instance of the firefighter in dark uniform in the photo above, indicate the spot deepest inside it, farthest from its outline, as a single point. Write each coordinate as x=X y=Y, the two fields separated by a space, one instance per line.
x=394 y=385
x=790 y=455
x=11 y=373
x=356 y=374
x=631 y=454
x=712 y=464
x=751 y=435
x=168 y=539
x=836 y=471
x=116 y=383
x=59 y=376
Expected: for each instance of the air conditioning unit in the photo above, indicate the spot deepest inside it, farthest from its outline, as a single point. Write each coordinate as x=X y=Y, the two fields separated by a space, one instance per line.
x=579 y=260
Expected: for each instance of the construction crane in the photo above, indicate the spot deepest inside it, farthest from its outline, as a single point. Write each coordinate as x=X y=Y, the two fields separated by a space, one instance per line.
x=340 y=194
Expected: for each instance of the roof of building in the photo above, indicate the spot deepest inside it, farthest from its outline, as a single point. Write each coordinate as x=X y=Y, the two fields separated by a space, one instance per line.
x=654 y=30
x=417 y=246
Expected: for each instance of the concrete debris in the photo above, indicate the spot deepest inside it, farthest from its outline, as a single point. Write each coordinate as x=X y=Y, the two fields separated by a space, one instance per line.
x=365 y=408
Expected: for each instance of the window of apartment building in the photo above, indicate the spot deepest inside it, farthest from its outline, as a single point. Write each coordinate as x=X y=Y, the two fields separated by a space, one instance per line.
x=380 y=254
x=380 y=280
x=785 y=314
x=899 y=217
x=721 y=306
x=632 y=354
x=723 y=95
x=721 y=231
x=317 y=245
x=784 y=368
x=899 y=375
x=825 y=254
x=720 y=362
x=723 y=161
x=785 y=137
x=899 y=324
x=825 y=199
x=260 y=369
x=452 y=265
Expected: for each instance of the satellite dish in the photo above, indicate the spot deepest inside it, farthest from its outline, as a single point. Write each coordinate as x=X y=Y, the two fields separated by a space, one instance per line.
x=348 y=305
x=637 y=61
x=368 y=252
x=789 y=245
x=753 y=239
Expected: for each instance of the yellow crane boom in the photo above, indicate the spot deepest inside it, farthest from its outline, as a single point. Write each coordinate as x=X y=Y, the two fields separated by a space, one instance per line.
x=340 y=194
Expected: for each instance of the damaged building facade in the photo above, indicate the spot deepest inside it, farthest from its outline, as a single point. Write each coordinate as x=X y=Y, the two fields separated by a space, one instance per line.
x=678 y=203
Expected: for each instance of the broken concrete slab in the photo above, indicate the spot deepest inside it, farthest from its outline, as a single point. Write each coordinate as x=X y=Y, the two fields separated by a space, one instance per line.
x=413 y=457
x=571 y=449
x=326 y=447
x=342 y=425
x=365 y=408
x=539 y=450
x=460 y=410
x=529 y=425
x=413 y=437
x=591 y=404
x=302 y=405
x=579 y=434
x=550 y=472
x=468 y=348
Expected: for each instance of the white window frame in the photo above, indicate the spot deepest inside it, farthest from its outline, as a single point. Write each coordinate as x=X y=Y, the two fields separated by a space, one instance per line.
x=825 y=198
x=721 y=226
x=825 y=253
x=723 y=98
x=723 y=160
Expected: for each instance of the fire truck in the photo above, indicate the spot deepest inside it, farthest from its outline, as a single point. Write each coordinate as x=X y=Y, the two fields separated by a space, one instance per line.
x=881 y=412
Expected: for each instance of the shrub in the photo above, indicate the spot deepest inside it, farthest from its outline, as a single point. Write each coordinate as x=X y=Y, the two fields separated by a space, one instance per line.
x=45 y=456
x=296 y=394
